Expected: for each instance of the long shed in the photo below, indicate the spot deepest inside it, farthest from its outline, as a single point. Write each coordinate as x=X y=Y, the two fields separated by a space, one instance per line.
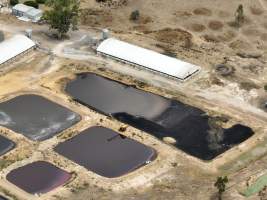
x=14 y=46
x=148 y=59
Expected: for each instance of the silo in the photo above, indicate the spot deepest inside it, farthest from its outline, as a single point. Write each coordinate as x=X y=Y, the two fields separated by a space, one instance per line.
x=105 y=34
x=28 y=33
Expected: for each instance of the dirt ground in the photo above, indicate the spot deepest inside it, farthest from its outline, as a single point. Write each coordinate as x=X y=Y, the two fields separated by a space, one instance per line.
x=198 y=31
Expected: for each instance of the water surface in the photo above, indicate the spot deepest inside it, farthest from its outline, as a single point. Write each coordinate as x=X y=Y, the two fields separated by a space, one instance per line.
x=38 y=177
x=5 y=145
x=36 y=117
x=194 y=131
x=106 y=152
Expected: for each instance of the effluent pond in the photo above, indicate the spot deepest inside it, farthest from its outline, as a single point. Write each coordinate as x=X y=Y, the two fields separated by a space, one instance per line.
x=190 y=128
x=5 y=145
x=38 y=177
x=106 y=152
x=35 y=116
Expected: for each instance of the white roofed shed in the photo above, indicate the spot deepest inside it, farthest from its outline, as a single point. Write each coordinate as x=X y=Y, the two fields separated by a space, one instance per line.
x=34 y=14
x=146 y=58
x=23 y=11
x=22 y=8
x=14 y=46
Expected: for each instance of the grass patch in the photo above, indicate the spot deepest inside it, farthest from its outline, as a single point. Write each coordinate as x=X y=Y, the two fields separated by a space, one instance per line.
x=260 y=183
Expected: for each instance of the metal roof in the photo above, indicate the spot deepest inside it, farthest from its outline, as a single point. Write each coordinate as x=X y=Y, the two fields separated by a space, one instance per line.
x=14 y=46
x=34 y=12
x=22 y=8
x=147 y=58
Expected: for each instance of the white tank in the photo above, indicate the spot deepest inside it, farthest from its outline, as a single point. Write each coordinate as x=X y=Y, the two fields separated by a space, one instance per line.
x=28 y=33
x=105 y=34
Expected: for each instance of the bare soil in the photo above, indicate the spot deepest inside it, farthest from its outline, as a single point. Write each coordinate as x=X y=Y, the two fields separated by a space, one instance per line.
x=164 y=26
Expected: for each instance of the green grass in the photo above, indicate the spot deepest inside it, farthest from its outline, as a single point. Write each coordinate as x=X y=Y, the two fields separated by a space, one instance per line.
x=256 y=187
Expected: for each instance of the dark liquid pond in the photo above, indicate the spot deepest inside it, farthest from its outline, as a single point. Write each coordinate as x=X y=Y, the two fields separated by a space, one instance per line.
x=36 y=117
x=5 y=145
x=194 y=131
x=106 y=152
x=38 y=178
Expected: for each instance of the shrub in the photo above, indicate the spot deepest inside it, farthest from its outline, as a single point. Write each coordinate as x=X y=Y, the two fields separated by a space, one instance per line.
x=13 y=2
x=135 y=15
x=220 y=184
x=31 y=3
x=40 y=1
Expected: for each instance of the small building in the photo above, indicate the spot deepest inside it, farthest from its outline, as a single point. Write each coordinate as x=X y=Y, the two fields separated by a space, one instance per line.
x=27 y=13
x=147 y=59
x=14 y=46
x=20 y=9
x=34 y=14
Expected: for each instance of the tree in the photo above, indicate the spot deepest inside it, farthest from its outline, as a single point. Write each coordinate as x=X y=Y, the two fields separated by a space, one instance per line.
x=239 y=15
x=13 y=2
x=32 y=4
x=62 y=15
x=40 y=1
x=220 y=184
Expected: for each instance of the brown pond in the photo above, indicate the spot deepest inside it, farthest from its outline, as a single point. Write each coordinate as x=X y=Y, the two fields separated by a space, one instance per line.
x=38 y=177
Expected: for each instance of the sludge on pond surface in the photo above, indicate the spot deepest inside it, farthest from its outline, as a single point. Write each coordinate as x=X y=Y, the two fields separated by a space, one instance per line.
x=106 y=152
x=35 y=116
x=38 y=177
x=5 y=145
x=194 y=131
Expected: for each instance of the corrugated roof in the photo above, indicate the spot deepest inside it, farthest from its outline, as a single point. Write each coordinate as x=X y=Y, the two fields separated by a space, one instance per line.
x=14 y=46
x=22 y=8
x=34 y=12
x=147 y=58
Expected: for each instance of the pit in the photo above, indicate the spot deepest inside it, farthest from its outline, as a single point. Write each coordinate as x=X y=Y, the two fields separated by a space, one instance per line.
x=106 y=152
x=36 y=117
x=191 y=129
